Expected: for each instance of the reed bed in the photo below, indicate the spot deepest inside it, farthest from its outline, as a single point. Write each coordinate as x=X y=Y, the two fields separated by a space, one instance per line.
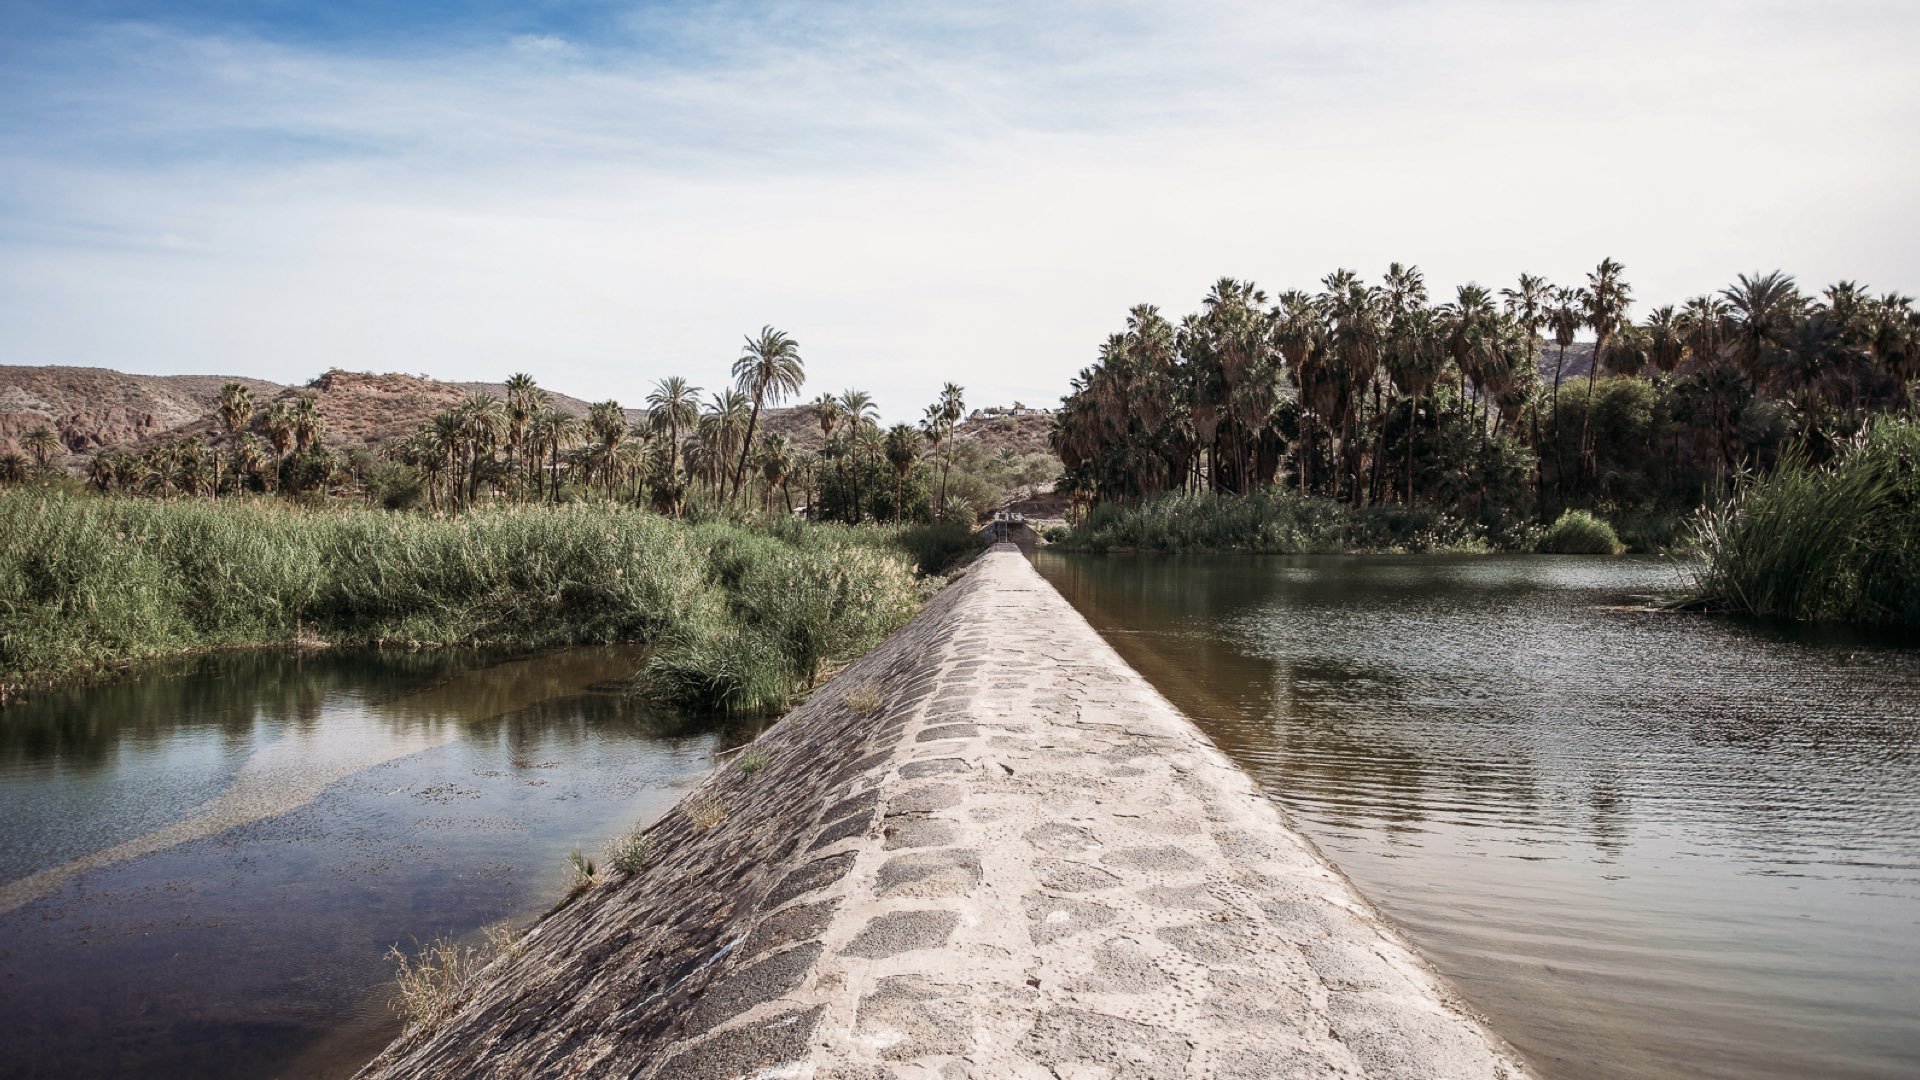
x=744 y=617
x=1272 y=521
x=1838 y=542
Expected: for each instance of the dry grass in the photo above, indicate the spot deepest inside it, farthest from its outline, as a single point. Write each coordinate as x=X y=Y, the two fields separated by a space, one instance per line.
x=863 y=700
x=433 y=984
x=707 y=811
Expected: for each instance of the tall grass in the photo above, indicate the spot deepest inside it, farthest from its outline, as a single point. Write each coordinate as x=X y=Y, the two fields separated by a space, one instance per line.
x=1274 y=521
x=745 y=618
x=1838 y=542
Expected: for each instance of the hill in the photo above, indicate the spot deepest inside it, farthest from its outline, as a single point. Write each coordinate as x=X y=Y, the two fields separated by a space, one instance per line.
x=94 y=408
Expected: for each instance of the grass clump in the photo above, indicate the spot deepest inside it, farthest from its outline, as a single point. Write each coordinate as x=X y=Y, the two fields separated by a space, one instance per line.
x=628 y=852
x=1837 y=542
x=753 y=759
x=863 y=700
x=707 y=811
x=432 y=984
x=1579 y=533
x=581 y=870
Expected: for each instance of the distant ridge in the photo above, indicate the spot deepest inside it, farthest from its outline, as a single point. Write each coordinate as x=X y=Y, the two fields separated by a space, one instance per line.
x=95 y=409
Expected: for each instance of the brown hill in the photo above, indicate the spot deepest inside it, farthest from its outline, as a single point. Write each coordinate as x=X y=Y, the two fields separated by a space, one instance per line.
x=93 y=408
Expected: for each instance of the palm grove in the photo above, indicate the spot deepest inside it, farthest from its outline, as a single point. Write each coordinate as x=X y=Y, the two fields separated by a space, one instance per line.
x=1376 y=397
x=680 y=451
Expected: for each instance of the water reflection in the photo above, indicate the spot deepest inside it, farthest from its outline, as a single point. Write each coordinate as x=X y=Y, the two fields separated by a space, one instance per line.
x=1647 y=844
x=203 y=864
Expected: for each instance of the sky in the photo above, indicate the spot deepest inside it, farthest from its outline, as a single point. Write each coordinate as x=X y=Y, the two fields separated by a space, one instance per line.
x=604 y=193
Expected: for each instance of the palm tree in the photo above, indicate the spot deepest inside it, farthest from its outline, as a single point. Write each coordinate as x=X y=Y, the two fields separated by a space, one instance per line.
x=246 y=457
x=769 y=371
x=859 y=412
x=100 y=471
x=14 y=466
x=1761 y=313
x=308 y=424
x=776 y=465
x=279 y=427
x=1896 y=341
x=1415 y=356
x=1607 y=297
x=941 y=419
x=1666 y=338
x=43 y=444
x=902 y=448
x=485 y=422
x=558 y=431
x=674 y=404
x=607 y=427
x=525 y=399
x=235 y=406
x=807 y=467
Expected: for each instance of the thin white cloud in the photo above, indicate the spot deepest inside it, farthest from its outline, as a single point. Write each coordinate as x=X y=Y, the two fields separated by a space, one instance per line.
x=974 y=194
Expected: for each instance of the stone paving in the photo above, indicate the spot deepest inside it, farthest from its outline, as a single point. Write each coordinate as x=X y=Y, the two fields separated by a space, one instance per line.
x=1023 y=863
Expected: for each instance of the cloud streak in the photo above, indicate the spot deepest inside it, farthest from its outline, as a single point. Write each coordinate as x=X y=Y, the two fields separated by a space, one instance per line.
x=974 y=195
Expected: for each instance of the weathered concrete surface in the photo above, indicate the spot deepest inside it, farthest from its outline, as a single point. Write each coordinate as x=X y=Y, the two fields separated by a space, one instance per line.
x=1023 y=863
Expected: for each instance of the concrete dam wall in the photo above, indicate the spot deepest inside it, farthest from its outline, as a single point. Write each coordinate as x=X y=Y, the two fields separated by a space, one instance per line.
x=988 y=849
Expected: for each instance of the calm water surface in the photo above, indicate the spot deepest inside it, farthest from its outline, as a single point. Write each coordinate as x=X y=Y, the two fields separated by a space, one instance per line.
x=202 y=866
x=1645 y=844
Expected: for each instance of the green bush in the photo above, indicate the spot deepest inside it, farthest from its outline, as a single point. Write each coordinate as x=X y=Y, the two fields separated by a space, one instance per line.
x=1839 y=542
x=1579 y=533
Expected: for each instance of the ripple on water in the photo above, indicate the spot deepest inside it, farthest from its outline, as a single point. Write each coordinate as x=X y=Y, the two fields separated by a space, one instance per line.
x=1646 y=844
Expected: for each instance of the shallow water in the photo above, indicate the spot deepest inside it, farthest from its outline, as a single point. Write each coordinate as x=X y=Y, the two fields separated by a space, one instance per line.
x=202 y=865
x=1644 y=844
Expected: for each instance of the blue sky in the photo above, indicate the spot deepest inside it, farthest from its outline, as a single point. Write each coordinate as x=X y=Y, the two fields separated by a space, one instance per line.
x=605 y=193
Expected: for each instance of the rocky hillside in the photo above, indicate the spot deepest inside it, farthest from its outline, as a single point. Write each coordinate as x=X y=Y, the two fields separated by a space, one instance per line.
x=94 y=408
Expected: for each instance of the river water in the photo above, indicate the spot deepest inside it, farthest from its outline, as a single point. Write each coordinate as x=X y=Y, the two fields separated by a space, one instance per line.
x=202 y=865
x=1642 y=843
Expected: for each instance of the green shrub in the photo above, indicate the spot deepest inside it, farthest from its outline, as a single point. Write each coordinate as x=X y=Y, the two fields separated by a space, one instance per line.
x=1839 y=542
x=1579 y=533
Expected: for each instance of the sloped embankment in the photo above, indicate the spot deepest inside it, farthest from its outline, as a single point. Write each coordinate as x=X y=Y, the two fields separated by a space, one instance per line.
x=1022 y=862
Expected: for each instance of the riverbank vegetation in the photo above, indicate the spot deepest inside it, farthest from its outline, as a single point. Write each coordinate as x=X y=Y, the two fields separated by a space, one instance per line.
x=1270 y=520
x=745 y=614
x=501 y=522
x=686 y=452
x=1375 y=396
x=1835 y=541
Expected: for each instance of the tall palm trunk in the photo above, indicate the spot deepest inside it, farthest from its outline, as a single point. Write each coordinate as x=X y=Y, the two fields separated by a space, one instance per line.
x=1588 y=460
x=746 y=447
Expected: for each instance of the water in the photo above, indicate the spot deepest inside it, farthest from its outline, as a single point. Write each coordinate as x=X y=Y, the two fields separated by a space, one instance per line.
x=1643 y=843
x=201 y=866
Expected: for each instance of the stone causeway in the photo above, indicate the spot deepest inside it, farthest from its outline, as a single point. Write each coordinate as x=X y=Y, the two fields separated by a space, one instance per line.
x=987 y=849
